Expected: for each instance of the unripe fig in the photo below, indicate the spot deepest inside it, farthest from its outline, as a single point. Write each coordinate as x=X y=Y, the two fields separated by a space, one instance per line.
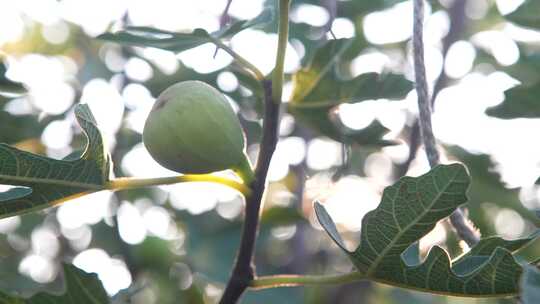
x=192 y=129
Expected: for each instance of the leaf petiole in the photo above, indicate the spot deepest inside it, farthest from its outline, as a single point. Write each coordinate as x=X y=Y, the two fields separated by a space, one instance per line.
x=132 y=183
x=239 y=59
x=290 y=280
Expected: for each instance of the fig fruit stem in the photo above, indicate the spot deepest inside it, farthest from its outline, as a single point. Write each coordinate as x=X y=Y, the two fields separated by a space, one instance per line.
x=245 y=171
x=239 y=59
x=124 y=183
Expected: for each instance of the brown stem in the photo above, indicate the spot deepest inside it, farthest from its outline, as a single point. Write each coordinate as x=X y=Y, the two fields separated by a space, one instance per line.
x=458 y=220
x=458 y=23
x=244 y=269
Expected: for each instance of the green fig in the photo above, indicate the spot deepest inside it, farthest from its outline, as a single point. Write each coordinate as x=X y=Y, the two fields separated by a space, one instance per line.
x=192 y=129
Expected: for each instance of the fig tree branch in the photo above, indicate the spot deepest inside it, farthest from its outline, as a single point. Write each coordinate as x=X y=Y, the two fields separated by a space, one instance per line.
x=244 y=270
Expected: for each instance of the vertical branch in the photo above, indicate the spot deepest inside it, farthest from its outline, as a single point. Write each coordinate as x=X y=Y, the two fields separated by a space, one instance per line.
x=463 y=228
x=244 y=270
x=424 y=103
x=457 y=27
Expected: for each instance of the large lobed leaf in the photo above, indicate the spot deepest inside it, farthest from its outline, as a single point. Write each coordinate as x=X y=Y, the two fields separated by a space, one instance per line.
x=318 y=89
x=409 y=210
x=519 y=102
x=43 y=182
x=80 y=288
x=178 y=42
x=526 y=14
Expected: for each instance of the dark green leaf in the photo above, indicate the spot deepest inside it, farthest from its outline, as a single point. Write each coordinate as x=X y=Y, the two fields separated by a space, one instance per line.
x=53 y=181
x=178 y=42
x=519 y=102
x=409 y=210
x=527 y=14
x=319 y=88
x=81 y=288
x=530 y=285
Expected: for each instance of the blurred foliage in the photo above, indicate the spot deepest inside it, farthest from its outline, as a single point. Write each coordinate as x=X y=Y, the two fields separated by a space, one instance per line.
x=519 y=102
x=319 y=89
x=178 y=42
x=80 y=287
x=530 y=284
x=526 y=14
x=193 y=267
x=486 y=186
x=8 y=86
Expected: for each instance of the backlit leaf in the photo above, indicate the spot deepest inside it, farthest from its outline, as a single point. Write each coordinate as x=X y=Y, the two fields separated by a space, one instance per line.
x=178 y=42
x=409 y=210
x=43 y=182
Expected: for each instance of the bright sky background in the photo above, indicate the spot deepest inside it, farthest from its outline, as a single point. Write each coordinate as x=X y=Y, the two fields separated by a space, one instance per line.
x=459 y=117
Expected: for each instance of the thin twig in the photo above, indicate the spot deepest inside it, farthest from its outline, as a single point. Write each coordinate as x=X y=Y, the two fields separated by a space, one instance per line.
x=223 y=20
x=239 y=59
x=331 y=7
x=463 y=228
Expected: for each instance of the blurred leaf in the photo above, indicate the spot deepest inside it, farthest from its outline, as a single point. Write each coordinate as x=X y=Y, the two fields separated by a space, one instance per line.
x=212 y=241
x=45 y=181
x=409 y=210
x=178 y=42
x=8 y=87
x=519 y=102
x=526 y=14
x=486 y=186
x=319 y=88
x=275 y=216
x=80 y=288
x=17 y=128
x=530 y=285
